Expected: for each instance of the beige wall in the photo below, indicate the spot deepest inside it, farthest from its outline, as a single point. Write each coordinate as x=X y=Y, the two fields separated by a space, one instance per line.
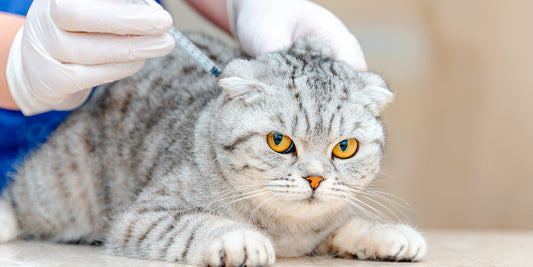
x=461 y=127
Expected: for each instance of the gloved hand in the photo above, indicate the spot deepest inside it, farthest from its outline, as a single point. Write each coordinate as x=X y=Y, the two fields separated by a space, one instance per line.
x=266 y=26
x=67 y=47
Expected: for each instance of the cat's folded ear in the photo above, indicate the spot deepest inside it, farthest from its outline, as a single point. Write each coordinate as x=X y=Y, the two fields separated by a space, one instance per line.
x=376 y=91
x=238 y=80
x=241 y=88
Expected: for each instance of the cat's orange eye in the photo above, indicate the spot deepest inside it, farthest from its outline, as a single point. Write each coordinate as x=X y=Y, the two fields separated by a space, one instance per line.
x=346 y=148
x=280 y=143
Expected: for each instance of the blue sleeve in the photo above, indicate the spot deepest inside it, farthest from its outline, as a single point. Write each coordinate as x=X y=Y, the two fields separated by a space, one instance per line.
x=20 y=135
x=19 y=6
x=15 y=6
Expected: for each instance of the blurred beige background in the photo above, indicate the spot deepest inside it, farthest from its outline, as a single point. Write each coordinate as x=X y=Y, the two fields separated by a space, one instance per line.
x=461 y=127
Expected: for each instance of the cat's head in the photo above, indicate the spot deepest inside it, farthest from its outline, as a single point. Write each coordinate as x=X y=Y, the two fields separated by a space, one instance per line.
x=298 y=131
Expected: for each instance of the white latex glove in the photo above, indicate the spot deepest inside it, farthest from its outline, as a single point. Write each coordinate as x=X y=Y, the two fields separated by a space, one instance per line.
x=66 y=47
x=270 y=25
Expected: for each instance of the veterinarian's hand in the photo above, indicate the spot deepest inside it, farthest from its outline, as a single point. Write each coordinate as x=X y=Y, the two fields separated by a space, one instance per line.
x=67 y=47
x=266 y=26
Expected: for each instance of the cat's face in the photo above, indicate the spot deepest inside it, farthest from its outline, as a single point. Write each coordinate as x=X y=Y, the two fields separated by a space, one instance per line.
x=300 y=133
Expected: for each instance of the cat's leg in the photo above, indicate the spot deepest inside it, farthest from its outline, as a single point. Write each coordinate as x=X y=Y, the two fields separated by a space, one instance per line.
x=9 y=228
x=370 y=240
x=193 y=238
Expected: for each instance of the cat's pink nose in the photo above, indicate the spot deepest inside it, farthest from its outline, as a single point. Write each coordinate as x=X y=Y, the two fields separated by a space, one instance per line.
x=314 y=181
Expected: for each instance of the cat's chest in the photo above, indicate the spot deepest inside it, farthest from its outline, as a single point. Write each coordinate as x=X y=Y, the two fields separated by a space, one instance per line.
x=294 y=238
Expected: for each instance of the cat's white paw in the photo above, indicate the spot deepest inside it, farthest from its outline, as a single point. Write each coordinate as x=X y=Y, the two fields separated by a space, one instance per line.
x=9 y=227
x=381 y=242
x=241 y=248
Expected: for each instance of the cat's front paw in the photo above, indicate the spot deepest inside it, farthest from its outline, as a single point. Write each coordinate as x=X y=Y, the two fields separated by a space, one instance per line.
x=380 y=242
x=241 y=248
x=9 y=227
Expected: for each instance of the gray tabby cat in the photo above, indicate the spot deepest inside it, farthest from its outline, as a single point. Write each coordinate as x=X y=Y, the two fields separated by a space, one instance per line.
x=167 y=165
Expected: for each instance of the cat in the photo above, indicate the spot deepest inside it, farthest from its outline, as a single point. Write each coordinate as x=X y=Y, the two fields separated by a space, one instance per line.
x=171 y=164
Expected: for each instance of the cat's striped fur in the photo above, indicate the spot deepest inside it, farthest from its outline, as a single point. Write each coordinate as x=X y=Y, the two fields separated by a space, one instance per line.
x=168 y=165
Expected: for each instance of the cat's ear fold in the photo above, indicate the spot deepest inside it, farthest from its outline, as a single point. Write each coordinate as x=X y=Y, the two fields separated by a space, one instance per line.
x=238 y=82
x=240 y=88
x=377 y=92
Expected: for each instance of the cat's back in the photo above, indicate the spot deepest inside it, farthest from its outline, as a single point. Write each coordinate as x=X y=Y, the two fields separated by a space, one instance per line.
x=171 y=84
x=141 y=118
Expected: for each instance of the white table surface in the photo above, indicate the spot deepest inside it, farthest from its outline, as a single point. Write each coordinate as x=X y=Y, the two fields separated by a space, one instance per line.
x=446 y=248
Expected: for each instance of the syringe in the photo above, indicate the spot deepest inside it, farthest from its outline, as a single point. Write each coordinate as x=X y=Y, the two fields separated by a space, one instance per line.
x=191 y=49
x=194 y=52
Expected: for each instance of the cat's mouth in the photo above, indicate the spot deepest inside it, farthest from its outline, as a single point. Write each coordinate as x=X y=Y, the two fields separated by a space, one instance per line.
x=312 y=199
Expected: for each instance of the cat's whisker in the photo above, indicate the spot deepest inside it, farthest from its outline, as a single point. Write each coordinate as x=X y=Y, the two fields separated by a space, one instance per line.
x=369 y=208
x=393 y=210
x=237 y=189
x=396 y=207
x=346 y=200
x=244 y=198
x=284 y=191
x=259 y=206
x=218 y=199
x=385 y=196
x=225 y=195
x=375 y=196
x=379 y=213
x=362 y=210
x=350 y=207
x=248 y=195
x=383 y=206
x=259 y=177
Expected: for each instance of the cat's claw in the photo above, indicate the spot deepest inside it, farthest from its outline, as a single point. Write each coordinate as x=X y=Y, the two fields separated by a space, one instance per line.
x=241 y=248
x=383 y=242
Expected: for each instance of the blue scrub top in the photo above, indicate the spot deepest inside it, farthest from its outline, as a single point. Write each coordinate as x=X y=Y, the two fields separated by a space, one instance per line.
x=20 y=135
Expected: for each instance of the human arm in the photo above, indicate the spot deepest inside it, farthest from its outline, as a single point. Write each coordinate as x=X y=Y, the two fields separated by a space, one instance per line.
x=10 y=25
x=213 y=10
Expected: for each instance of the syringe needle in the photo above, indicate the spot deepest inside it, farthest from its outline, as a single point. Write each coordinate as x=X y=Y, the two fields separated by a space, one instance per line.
x=191 y=49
